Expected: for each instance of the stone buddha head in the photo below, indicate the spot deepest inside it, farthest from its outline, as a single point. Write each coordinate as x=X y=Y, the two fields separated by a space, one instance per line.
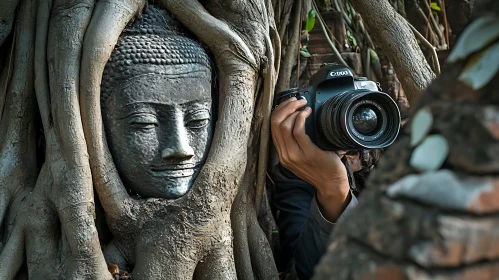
x=157 y=106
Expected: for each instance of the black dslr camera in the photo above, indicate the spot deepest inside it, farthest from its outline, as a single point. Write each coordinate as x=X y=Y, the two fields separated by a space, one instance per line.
x=347 y=113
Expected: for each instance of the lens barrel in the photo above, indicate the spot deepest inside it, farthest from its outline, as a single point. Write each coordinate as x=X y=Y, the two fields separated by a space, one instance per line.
x=359 y=119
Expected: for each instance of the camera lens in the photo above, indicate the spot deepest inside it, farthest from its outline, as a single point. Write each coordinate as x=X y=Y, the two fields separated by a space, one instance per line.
x=365 y=120
x=359 y=119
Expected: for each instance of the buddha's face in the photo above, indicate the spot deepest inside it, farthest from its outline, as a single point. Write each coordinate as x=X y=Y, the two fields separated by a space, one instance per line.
x=159 y=129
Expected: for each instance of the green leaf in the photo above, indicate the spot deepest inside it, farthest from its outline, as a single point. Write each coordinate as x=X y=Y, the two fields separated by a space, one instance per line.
x=481 y=68
x=310 y=20
x=374 y=56
x=475 y=37
x=430 y=154
x=435 y=6
x=348 y=8
x=420 y=126
x=352 y=39
x=304 y=52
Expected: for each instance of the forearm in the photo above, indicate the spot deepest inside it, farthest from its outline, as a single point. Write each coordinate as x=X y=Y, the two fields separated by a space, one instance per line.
x=333 y=197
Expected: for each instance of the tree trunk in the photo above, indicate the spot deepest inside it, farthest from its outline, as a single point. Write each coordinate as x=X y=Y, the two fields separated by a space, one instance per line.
x=291 y=49
x=59 y=49
x=399 y=44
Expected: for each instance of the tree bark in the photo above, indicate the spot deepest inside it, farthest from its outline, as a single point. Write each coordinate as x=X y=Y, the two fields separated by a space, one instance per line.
x=7 y=17
x=51 y=224
x=291 y=51
x=398 y=42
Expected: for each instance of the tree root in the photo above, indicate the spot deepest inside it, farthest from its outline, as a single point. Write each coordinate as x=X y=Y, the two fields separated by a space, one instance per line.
x=286 y=8
x=41 y=67
x=253 y=256
x=239 y=229
x=261 y=255
x=7 y=14
x=216 y=33
x=108 y=21
x=289 y=59
x=68 y=164
x=270 y=78
x=43 y=230
x=13 y=253
x=249 y=246
x=71 y=50
x=17 y=142
x=5 y=78
x=397 y=40
x=219 y=264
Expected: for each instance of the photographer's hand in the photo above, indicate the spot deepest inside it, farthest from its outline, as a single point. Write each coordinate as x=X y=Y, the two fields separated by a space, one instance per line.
x=323 y=169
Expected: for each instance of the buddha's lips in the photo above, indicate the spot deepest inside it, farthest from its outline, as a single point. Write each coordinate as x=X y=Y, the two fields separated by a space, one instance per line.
x=179 y=166
x=175 y=171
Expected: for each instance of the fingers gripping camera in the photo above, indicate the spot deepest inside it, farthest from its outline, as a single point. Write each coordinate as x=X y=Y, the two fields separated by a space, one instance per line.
x=347 y=112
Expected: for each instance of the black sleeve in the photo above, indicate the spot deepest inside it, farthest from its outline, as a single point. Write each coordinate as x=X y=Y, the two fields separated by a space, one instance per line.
x=314 y=239
x=292 y=200
x=303 y=231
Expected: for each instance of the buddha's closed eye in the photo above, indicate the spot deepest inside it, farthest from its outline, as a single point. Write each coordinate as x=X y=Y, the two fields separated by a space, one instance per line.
x=198 y=119
x=143 y=121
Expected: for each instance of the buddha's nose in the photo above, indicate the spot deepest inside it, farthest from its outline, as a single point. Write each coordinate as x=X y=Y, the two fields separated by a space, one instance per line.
x=180 y=152
x=178 y=147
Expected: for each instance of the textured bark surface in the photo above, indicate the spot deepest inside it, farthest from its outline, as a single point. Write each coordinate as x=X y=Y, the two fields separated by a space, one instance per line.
x=291 y=50
x=398 y=42
x=56 y=50
x=434 y=225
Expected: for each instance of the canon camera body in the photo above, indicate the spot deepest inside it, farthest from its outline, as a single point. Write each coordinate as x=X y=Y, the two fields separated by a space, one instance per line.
x=347 y=113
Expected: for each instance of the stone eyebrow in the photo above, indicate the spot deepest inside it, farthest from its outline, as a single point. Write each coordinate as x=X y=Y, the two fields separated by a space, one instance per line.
x=133 y=108
x=199 y=103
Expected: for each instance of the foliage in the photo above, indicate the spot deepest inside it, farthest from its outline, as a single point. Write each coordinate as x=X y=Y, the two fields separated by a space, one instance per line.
x=435 y=6
x=310 y=20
